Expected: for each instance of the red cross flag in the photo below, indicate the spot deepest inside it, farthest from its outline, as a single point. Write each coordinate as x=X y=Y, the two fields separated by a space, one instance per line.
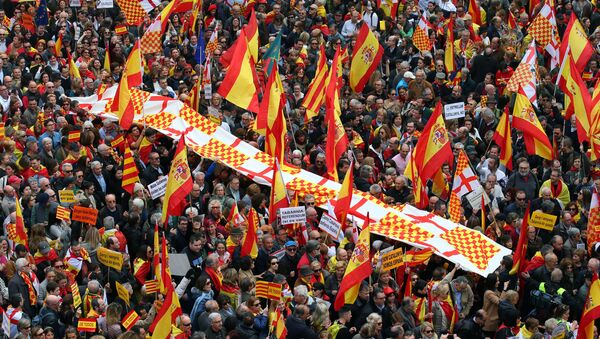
x=465 y=180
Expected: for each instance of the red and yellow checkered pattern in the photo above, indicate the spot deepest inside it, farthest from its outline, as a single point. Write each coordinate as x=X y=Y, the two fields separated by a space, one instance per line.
x=303 y=187
x=134 y=13
x=593 y=226
x=454 y=207
x=472 y=244
x=197 y=121
x=541 y=30
x=393 y=225
x=520 y=77
x=161 y=120
x=222 y=152
x=421 y=40
x=138 y=98
x=150 y=42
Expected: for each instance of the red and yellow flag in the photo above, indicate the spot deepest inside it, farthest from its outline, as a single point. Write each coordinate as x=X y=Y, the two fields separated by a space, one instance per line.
x=503 y=138
x=17 y=232
x=365 y=58
x=475 y=12
x=145 y=149
x=344 y=198
x=521 y=249
x=74 y=136
x=240 y=83
x=449 y=50
x=337 y=141
x=129 y=319
x=359 y=268
x=279 y=198
x=58 y=45
x=249 y=243
x=512 y=21
x=579 y=44
x=268 y=290
x=278 y=325
x=179 y=184
x=122 y=104
x=525 y=119
x=130 y=171
x=421 y=35
x=120 y=29
x=161 y=326
x=73 y=69
x=270 y=117
x=315 y=95
x=580 y=101
x=591 y=312
x=107 y=59
x=251 y=34
x=593 y=227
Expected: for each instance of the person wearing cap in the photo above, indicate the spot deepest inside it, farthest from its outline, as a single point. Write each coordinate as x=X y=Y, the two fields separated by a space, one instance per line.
x=289 y=262
x=312 y=253
x=440 y=87
x=304 y=277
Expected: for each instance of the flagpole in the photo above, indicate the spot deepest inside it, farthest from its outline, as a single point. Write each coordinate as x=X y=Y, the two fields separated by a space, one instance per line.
x=288 y=117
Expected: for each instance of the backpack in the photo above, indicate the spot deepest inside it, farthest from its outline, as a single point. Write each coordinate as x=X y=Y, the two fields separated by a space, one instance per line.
x=334 y=329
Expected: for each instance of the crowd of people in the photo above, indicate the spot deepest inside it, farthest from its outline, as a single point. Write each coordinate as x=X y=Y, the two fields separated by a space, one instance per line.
x=41 y=276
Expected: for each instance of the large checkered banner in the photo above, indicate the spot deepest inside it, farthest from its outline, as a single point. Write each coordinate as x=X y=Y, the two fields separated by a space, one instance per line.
x=470 y=249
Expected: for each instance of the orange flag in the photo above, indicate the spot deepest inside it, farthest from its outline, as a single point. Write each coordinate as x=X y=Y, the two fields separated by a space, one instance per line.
x=179 y=184
x=344 y=198
x=359 y=268
x=503 y=138
x=279 y=198
x=337 y=141
x=58 y=45
x=365 y=58
x=525 y=119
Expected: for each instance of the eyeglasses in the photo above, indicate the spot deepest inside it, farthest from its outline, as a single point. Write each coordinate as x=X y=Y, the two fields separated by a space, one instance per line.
x=521 y=199
x=274 y=263
x=292 y=249
x=186 y=325
x=428 y=331
x=59 y=266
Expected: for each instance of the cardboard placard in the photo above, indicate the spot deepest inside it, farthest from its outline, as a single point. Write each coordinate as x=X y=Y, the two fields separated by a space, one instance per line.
x=330 y=226
x=76 y=295
x=101 y=4
x=542 y=220
x=474 y=198
x=158 y=188
x=180 y=264
x=454 y=111
x=122 y=292
x=110 y=258
x=292 y=215
x=392 y=259
x=86 y=215
x=66 y=196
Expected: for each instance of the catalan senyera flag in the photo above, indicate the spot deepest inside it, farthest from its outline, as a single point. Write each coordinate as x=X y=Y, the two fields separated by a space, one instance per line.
x=344 y=198
x=179 y=184
x=475 y=12
x=152 y=286
x=122 y=104
x=525 y=119
x=251 y=35
x=591 y=312
x=130 y=171
x=359 y=268
x=279 y=198
x=268 y=290
x=74 y=136
x=337 y=141
x=63 y=213
x=433 y=147
x=580 y=101
x=365 y=58
x=315 y=95
x=449 y=50
x=249 y=243
x=107 y=58
x=278 y=325
x=58 y=45
x=579 y=44
x=521 y=249
x=503 y=138
x=73 y=69
x=241 y=82
x=195 y=91
x=271 y=119
x=118 y=143
x=421 y=35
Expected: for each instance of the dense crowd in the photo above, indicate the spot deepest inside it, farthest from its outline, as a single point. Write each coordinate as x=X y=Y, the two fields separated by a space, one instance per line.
x=435 y=299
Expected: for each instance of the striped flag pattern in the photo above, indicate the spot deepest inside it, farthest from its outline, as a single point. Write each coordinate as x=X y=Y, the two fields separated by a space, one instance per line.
x=130 y=171
x=63 y=213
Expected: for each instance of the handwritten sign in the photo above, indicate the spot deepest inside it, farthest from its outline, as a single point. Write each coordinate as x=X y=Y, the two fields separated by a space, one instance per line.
x=330 y=226
x=100 y=4
x=454 y=111
x=158 y=188
x=86 y=215
x=392 y=259
x=292 y=215
x=474 y=198
x=542 y=220
x=122 y=292
x=110 y=258
x=66 y=196
x=76 y=295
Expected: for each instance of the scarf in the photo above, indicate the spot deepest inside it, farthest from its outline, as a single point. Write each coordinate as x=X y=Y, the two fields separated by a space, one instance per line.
x=420 y=308
x=556 y=189
x=30 y=289
x=216 y=277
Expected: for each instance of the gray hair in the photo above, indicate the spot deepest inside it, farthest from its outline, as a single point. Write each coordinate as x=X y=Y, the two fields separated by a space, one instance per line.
x=573 y=231
x=93 y=286
x=301 y=290
x=139 y=203
x=95 y=163
x=108 y=222
x=21 y=263
x=213 y=316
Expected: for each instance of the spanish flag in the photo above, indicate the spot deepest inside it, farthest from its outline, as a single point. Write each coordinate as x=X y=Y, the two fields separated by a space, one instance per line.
x=241 y=81
x=249 y=243
x=503 y=138
x=132 y=76
x=17 y=232
x=449 y=50
x=130 y=319
x=475 y=12
x=278 y=325
x=365 y=58
x=120 y=29
x=251 y=30
x=337 y=141
x=74 y=136
x=141 y=268
x=591 y=311
x=216 y=277
x=145 y=149
x=270 y=117
x=58 y=45
x=315 y=95
x=525 y=119
x=344 y=198
x=161 y=326
x=130 y=171
x=73 y=70
x=521 y=250
x=359 y=268
x=512 y=21
x=580 y=101
x=579 y=44
x=179 y=184
x=279 y=198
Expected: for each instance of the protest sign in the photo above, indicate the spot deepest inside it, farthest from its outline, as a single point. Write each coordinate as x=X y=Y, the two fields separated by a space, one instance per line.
x=66 y=196
x=130 y=319
x=158 y=188
x=110 y=258
x=101 y=4
x=474 y=198
x=122 y=292
x=454 y=111
x=330 y=226
x=86 y=215
x=292 y=215
x=86 y=325
x=76 y=295
x=542 y=220
x=392 y=259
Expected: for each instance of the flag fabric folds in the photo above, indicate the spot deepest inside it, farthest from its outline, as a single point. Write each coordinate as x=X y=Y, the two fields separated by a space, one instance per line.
x=475 y=12
x=271 y=119
x=17 y=232
x=421 y=34
x=130 y=171
x=122 y=104
x=359 y=268
x=344 y=198
x=278 y=325
x=580 y=101
x=521 y=249
x=315 y=95
x=449 y=50
x=465 y=180
x=591 y=312
x=179 y=184
x=503 y=138
x=525 y=75
x=366 y=57
x=580 y=46
x=240 y=83
x=593 y=227
x=279 y=198
x=251 y=35
x=525 y=119
x=249 y=243
x=73 y=69
x=337 y=141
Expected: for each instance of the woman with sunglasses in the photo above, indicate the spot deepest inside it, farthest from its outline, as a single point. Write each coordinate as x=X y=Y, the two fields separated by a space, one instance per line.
x=427 y=331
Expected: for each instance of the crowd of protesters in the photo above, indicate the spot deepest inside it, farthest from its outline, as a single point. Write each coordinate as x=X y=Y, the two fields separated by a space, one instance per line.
x=383 y=124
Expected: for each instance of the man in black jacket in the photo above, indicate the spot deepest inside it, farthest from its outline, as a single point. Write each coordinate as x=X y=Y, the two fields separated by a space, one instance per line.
x=19 y=285
x=50 y=316
x=471 y=328
x=296 y=324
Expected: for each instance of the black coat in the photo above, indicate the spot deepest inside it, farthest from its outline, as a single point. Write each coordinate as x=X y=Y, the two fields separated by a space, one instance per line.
x=468 y=328
x=17 y=285
x=297 y=329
